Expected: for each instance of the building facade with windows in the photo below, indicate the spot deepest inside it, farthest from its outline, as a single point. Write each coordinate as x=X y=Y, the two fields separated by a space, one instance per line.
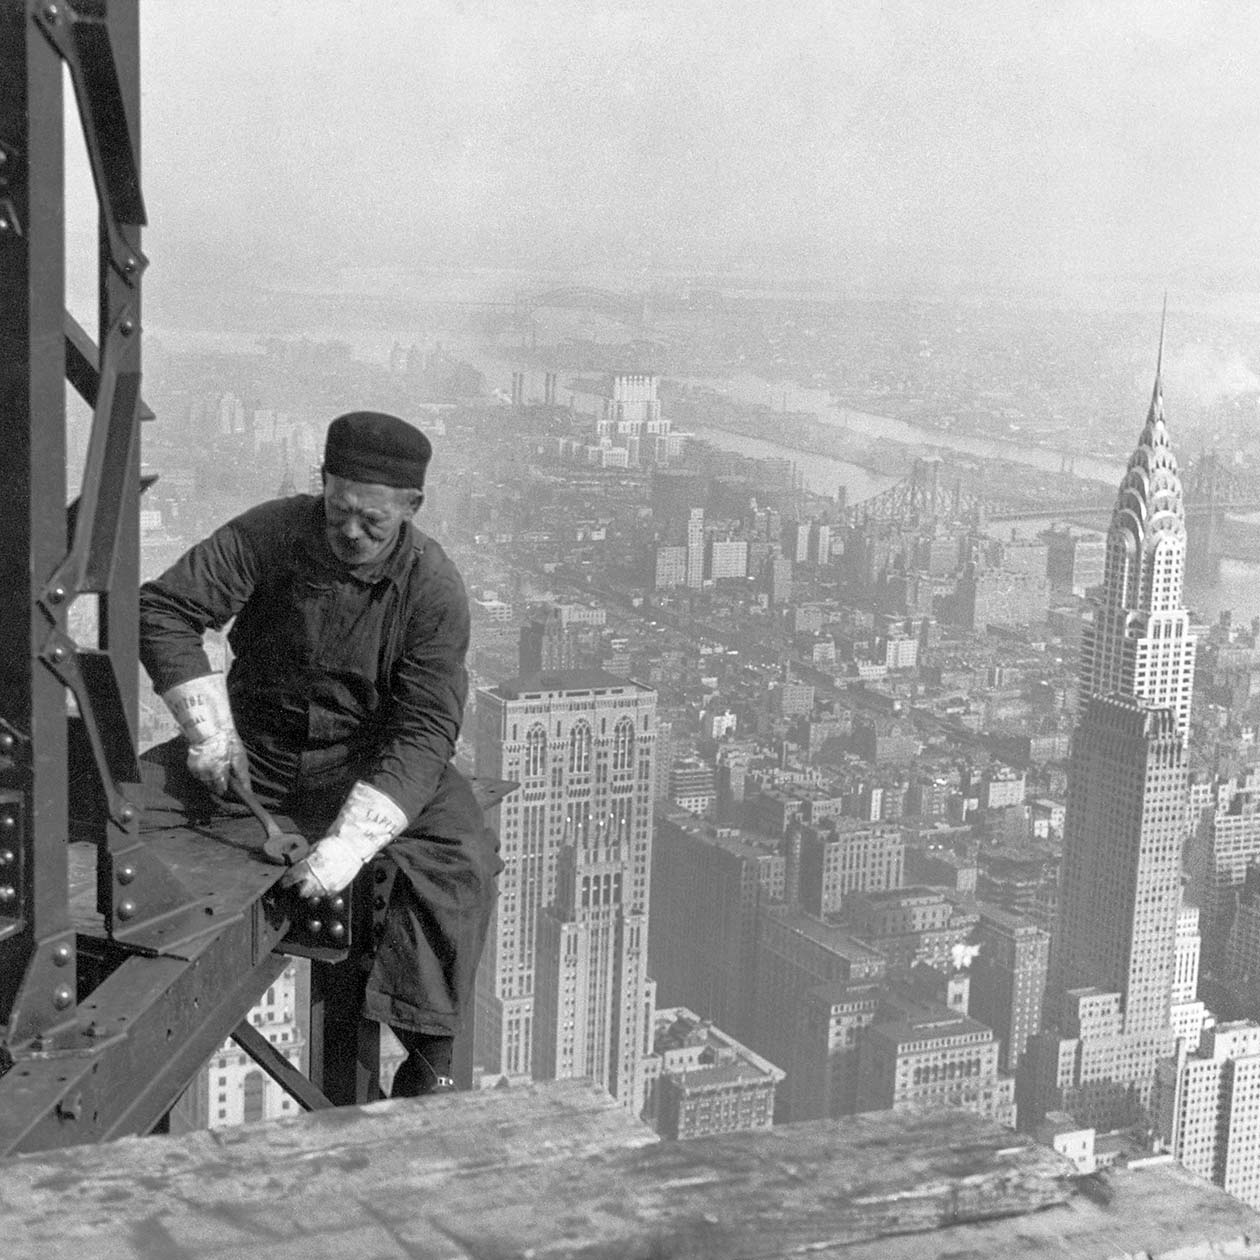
x=1113 y=953
x=562 y=989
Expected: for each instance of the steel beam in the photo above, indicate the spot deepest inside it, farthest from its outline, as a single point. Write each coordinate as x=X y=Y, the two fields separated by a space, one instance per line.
x=150 y=1026
x=278 y=1067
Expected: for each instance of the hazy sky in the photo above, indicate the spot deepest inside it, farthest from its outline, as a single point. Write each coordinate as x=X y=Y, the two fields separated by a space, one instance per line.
x=1044 y=139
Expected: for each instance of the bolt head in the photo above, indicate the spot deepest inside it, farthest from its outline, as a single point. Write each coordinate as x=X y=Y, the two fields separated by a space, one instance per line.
x=127 y=910
x=8 y=822
x=7 y=857
x=126 y=874
x=336 y=930
x=62 y=955
x=58 y=653
x=6 y=742
x=56 y=595
x=7 y=893
x=130 y=264
x=62 y=997
x=337 y=903
x=127 y=327
x=127 y=813
x=315 y=925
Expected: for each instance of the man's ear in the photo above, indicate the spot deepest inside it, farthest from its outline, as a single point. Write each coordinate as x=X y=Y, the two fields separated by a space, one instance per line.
x=417 y=501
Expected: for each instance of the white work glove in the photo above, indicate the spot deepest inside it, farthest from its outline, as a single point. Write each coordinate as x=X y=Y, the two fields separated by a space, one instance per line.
x=203 y=712
x=368 y=821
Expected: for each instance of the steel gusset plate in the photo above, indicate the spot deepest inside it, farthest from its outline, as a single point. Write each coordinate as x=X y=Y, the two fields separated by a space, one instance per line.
x=148 y=1027
x=88 y=674
x=80 y=34
x=99 y=512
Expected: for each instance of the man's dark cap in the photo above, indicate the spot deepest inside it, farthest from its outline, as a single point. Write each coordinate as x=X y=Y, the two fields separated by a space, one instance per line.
x=373 y=447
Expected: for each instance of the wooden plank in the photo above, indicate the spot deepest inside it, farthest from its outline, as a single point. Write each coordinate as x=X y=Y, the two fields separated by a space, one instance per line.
x=559 y=1171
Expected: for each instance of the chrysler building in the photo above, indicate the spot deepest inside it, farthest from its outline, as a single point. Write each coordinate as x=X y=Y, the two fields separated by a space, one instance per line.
x=1109 y=1005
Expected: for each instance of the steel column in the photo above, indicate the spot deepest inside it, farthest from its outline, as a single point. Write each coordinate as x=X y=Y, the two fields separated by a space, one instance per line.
x=37 y=953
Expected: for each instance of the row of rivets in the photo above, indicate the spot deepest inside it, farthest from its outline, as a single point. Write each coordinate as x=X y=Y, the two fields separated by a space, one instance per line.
x=336 y=927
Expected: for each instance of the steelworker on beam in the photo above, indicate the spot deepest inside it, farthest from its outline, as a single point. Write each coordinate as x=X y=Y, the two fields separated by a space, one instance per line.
x=341 y=709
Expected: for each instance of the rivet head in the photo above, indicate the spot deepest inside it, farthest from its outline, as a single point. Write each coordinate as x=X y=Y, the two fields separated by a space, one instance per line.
x=126 y=874
x=8 y=822
x=130 y=264
x=314 y=925
x=56 y=595
x=51 y=12
x=7 y=893
x=127 y=910
x=7 y=857
x=62 y=997
x=337 y=903
x=127 y=327
x=61 y=955
x=58 y=653
x=337 y=930
x=127 y=813
x=6 y=742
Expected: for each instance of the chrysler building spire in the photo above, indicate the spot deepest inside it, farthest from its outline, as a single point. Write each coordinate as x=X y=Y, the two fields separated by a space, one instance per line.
x=1139 y=644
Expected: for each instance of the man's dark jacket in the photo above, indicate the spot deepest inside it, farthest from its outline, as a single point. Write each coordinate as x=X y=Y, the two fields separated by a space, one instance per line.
x=340 y=675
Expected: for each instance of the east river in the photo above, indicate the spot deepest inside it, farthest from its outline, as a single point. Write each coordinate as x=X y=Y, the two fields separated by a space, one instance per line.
x=1237 y=590
x=1239 y=585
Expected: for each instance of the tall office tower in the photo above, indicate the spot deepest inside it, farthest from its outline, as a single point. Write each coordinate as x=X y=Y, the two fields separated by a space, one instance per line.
x=546 y=643
x=1112 y=956
x=707 y=886
x=1207 y=1105
x=831 y=1019
x=1187 y=1015
x=796 y=541
x=819 y=543
x=777 y=579
x=562 y=989
x=1008 y=978
x=1225 y=843
x=796 y=953
x=695 y=548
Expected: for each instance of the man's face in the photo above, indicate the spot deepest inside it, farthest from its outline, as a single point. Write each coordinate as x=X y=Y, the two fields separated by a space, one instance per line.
x=362 y=520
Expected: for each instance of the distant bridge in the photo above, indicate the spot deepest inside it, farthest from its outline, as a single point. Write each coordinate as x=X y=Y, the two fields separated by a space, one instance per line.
x=628 y=308
x=1214 y=494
